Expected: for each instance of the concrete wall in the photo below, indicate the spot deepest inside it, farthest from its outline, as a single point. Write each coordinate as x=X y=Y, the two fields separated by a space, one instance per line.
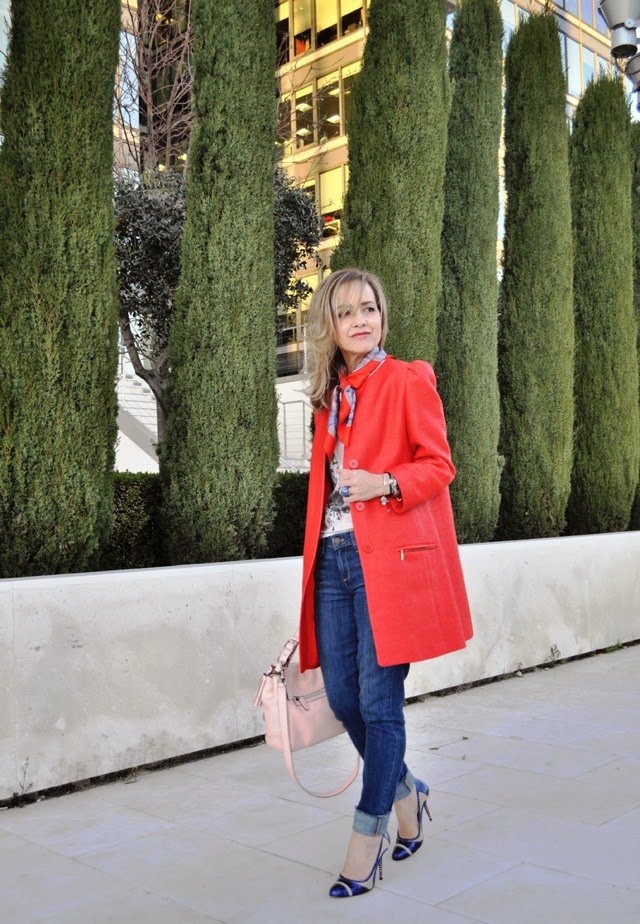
x=102 y=672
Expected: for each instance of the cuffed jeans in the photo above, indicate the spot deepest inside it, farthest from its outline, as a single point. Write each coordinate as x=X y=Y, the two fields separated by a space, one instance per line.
x=367 y=698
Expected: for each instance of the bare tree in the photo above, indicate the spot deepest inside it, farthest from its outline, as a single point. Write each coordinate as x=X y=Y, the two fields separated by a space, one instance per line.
x=154 y=109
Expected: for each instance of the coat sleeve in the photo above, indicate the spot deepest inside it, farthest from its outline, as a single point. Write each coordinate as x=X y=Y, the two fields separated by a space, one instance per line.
x=431 y=469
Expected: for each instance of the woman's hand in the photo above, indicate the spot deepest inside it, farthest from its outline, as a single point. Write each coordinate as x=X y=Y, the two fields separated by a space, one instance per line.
x=362 y=485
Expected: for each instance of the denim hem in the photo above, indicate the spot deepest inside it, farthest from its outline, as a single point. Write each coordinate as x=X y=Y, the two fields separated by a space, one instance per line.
x=370 y=824
x=404 y=787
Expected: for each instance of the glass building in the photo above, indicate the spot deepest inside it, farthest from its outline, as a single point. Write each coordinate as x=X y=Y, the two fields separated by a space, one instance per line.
x=320 y=45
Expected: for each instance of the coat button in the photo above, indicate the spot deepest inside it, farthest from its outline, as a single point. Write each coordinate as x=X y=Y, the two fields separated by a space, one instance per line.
x=367 y=548
x=353 y=463
x=359 y=506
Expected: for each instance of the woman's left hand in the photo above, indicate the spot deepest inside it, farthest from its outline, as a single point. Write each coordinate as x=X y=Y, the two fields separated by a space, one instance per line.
x=362 y=485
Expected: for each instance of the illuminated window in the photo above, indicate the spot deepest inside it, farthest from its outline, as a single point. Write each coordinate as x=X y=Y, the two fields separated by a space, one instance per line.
x=328 y=102
x=304 y=117
x=326 y=22
x=282 y=33
x=284 y=139
x=331 y=201
x=348 y=76
x=351 y=15
x=301 y=26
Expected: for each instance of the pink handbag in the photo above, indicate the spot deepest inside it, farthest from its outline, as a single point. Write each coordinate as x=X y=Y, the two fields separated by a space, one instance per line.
x=297 y=713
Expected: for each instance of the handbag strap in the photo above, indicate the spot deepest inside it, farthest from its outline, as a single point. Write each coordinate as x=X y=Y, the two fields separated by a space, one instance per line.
x=288 y=755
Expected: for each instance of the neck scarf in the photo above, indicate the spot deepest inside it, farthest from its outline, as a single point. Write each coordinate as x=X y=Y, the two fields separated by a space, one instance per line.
x=343 y=399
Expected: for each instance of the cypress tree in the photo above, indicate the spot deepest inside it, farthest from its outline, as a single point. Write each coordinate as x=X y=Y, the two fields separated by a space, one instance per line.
x=536 y=336
x=607 y=450
x=635 y=217
x=220 y=455
x=467 y=326
x=58 y=308
x=392 y=219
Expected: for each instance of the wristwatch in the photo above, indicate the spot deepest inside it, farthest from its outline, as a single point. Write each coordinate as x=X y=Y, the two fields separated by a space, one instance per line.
x=394 y=487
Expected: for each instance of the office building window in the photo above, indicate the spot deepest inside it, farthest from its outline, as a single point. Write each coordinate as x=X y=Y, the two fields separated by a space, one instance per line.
x=328 y=103
x=301 y=26
x=573 y=67
x=601 y=23
x=588 y=67
x=282 y=33
x=284 y=138
x=523 y=15
x=304 y=117
x=326 y=22
x=351 y=16
x=348 y=76
x=331 y=201
x=603 y=66
x=571 y=6
x=4 y=35
x=586 y=11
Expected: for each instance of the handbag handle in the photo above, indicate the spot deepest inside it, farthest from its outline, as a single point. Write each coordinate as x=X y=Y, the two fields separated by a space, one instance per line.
x=288 y=755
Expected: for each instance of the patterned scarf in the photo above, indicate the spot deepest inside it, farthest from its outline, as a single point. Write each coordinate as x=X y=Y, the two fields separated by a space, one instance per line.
x=343 y=399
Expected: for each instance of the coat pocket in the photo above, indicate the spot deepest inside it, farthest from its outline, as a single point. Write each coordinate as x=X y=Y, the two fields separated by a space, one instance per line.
x=408 y=550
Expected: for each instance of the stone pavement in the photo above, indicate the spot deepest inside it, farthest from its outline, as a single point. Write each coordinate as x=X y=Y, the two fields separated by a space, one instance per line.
x=535 y=798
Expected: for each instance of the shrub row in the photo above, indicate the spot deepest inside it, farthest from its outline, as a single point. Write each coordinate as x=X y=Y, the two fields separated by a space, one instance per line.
x=137 y=540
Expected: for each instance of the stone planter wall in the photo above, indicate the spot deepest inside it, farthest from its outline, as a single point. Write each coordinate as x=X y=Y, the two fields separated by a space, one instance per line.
x=103 y=672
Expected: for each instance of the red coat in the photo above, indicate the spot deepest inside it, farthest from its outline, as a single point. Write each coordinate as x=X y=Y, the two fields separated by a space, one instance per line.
x=413 y=579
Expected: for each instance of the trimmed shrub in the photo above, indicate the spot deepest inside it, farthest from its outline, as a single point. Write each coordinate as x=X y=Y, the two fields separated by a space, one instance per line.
x=392 y=218
x=536 y=335
x=607 y=427
x=136 y=540
x=221 y=450
x=137 y=537
x=467 y=327
x=635 y=219
x=58 y=299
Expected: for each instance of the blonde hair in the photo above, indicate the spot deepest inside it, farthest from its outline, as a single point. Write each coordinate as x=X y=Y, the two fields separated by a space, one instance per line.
x=324 y=360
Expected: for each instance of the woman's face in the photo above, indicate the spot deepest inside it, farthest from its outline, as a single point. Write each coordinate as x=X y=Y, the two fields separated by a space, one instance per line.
x=359 y=327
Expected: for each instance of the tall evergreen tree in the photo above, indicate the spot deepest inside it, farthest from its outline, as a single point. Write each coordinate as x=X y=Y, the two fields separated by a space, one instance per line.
x=635 y=217
x=58 y=303
x=607 y=435
x=536 y=336
x=392 y=219
x=467 y=326
x=220 y=454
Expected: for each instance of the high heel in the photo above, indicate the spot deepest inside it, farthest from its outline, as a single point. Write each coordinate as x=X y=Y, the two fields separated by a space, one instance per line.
x=405 y=847
x=347 y=888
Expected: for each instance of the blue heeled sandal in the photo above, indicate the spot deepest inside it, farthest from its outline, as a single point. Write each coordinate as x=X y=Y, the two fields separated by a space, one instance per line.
x=405 y=847
x=347 y=888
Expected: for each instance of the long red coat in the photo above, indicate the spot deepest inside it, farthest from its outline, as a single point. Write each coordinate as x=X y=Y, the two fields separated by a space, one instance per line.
x=413 y=579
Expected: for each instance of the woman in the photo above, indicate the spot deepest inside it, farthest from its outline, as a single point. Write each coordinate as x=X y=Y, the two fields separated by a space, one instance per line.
x=382 y=582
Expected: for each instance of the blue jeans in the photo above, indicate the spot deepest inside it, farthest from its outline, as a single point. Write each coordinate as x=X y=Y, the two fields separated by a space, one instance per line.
x=367 y=698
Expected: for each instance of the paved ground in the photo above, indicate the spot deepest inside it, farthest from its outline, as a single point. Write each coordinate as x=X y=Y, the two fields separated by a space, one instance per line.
x=535 y=798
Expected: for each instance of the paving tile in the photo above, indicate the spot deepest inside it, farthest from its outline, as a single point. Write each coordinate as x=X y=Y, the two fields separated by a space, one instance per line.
x=127 y=905
x=626 y=823
x=531 y=894
x=172 y=782
x=538 y=792
x=572 y=735
x=442 y=869
x=567 y=846
x=622 y=775
x=622 y=718
x=37 y=884
x=525 y=755
x=78 y=822
x=433 y=767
